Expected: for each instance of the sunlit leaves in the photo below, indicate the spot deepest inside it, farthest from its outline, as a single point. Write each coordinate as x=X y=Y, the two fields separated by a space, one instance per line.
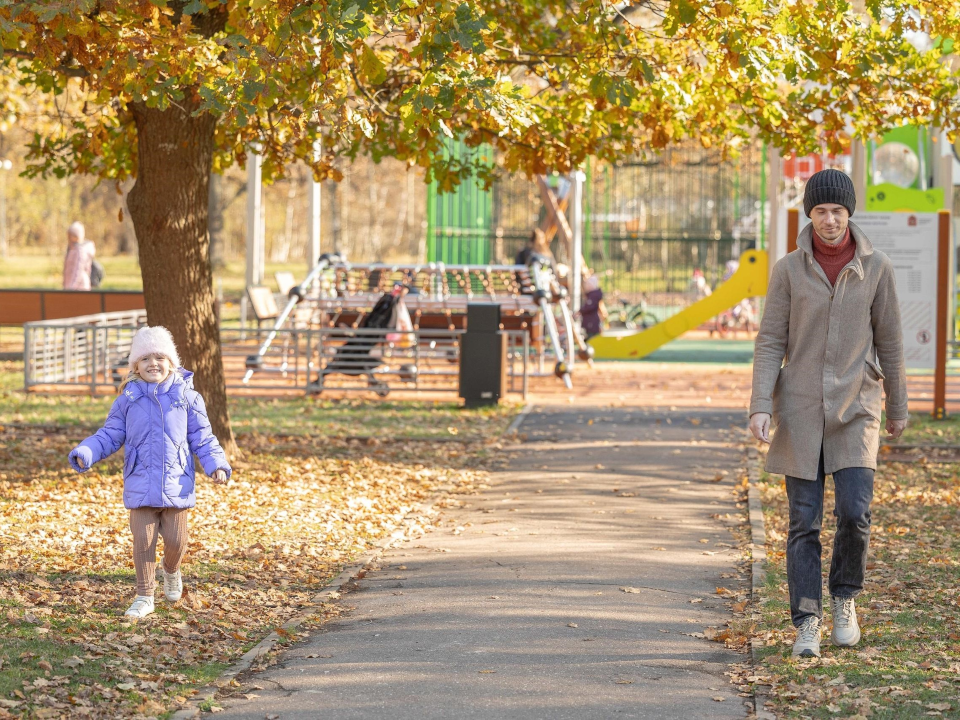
x=681 y=12
x=371 y=67
x=260 y=550
x=545 y=82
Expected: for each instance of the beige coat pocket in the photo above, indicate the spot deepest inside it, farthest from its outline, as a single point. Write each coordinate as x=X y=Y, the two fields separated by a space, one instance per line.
x=870 y=389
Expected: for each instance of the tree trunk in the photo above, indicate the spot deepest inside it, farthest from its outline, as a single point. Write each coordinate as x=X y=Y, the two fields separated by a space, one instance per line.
x=169 y=208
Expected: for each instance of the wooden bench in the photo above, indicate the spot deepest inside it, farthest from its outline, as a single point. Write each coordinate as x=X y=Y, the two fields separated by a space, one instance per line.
x=263 y=304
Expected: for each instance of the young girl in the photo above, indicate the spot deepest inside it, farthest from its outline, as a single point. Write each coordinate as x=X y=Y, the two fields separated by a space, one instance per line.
x=593 y=312
x=161 y=421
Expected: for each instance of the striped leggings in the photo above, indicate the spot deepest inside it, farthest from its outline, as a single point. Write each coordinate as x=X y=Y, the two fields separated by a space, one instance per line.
x=146 y=523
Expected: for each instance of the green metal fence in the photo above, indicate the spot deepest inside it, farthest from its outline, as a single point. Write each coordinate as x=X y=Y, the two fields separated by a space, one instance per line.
x=649 y=223
x=459 y=223
x=652 y=223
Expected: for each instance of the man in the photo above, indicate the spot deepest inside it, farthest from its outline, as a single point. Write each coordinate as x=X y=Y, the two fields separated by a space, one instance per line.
x=831 y=312
x=79 y=259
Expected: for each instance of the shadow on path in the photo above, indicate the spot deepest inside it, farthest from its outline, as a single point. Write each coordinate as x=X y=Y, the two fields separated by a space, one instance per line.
x=514 y=607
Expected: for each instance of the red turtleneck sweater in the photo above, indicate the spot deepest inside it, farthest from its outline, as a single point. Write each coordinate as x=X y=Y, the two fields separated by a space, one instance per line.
x=834 y=258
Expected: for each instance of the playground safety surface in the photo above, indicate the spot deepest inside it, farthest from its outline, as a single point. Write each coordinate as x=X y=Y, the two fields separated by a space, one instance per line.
x=690 y=385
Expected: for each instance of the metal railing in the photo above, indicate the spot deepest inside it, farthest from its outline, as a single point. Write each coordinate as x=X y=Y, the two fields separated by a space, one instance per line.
x=338 y=300
x=89 y=350
x=348 y=359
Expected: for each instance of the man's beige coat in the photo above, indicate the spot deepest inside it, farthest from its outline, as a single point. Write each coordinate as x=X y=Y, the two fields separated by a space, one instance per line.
x=816 y=370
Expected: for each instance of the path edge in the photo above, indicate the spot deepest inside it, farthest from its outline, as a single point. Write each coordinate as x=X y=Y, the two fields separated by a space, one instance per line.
x=517 y=421
x=758 y=554
x=333 y=590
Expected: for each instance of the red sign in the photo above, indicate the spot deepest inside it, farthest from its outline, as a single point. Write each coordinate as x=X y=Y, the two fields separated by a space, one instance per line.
x=802 y=167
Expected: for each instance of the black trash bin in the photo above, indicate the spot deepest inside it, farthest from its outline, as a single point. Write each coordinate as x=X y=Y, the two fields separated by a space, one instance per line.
x=483 y=357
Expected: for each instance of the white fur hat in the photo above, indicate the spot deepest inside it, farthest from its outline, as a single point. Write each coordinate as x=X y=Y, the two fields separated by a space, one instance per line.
x=149 y=340
x=77 y=230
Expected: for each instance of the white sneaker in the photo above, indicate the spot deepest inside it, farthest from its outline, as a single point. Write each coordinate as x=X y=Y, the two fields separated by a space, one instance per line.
x=808 y=638
x=142 y=606
x=172 y=586
x=846 y=630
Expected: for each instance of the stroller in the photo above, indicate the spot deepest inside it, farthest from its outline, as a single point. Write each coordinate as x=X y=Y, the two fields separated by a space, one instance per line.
x=355 y=356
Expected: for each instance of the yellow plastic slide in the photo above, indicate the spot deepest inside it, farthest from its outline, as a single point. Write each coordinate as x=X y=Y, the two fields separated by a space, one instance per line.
x=750 y=280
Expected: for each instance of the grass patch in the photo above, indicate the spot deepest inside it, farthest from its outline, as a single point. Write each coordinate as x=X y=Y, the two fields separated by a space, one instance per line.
x=924 y=430
x=303 y=415
x=907 y=664
x=320 y=483
x=358 y=418
x=122 y=272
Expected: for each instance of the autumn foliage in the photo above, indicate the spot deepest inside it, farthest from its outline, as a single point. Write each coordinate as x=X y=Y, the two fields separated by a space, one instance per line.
x=548 y=83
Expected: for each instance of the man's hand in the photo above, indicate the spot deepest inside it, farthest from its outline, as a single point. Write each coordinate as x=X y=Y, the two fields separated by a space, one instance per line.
x=760 y=426
x=895 y=428
x=220 y=477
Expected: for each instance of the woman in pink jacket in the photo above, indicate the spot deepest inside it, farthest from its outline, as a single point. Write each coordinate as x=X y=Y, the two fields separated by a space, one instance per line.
x=79 y=259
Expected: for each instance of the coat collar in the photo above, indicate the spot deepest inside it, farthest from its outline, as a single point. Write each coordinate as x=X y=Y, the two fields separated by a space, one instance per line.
x=177 y=381
x=864 y=247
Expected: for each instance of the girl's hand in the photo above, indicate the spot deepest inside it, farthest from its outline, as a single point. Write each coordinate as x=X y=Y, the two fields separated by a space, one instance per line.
x=220 y=477
x=81 y=458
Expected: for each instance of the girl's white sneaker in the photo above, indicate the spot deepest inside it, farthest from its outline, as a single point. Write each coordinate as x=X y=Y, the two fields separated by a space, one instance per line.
x=172 y=586
x=141 y=607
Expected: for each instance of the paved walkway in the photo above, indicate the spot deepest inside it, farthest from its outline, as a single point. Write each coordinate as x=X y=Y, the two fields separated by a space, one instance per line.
x=515 y=608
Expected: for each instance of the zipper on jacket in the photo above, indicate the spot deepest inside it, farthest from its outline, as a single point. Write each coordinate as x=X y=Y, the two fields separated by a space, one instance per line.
x=163 y=440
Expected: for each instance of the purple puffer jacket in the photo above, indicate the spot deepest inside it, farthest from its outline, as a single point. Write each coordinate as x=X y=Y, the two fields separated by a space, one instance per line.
x=161 y=426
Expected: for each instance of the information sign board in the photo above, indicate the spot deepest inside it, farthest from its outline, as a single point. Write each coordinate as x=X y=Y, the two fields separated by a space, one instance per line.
x=910 y=240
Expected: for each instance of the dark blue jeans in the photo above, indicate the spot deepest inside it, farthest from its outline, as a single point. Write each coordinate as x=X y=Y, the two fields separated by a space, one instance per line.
x=854 y=493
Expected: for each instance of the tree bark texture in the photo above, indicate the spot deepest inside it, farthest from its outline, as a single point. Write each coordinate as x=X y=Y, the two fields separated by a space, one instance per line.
x=169 y=207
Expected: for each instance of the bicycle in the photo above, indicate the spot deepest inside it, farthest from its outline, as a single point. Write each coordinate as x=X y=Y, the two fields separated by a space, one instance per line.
x=632 y=316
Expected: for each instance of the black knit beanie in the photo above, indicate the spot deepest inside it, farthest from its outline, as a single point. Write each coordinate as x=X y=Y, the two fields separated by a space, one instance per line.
x=829 y=186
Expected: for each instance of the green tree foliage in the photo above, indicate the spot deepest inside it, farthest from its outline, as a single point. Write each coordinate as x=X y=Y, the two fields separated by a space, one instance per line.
x=548 y=82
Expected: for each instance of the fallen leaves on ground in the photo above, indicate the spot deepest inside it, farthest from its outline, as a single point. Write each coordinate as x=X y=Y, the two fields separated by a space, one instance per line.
x=907 y=664
x=260 y=550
